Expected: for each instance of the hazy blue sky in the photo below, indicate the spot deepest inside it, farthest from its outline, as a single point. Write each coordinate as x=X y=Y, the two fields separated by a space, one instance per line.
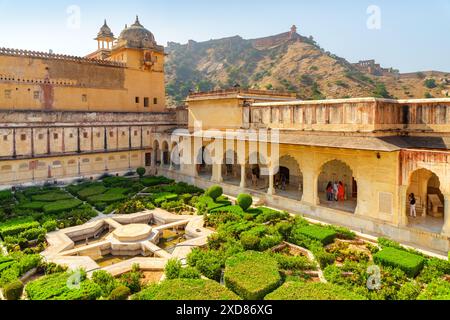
x=414 y=34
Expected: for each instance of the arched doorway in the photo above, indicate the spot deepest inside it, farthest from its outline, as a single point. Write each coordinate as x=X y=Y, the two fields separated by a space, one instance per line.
x=426 y=187
x=340 y=176
x=156 y=153
x=257 y=172
x=231 y=169
x=289 y=178
x=175 y=157
x=165 y=154
x=204 y=163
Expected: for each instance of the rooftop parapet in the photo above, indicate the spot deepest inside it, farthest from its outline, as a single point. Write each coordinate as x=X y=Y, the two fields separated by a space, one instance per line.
x=46 y=55
x=244 y=92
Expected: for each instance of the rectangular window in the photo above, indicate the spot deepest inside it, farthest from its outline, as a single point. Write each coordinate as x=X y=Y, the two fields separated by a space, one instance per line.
x=98 y=134
x=145 y=102
x=23 y=137
x=111 y=134
x=136 y=99
x=36 y=95
x=155 y=100
x=85 y=135
x=70 y=135
x=40 y=136
x=5 y=138
x=84 y=98
x=55 y=136
x=123 y=133
x=135 y=133
x=8 y=94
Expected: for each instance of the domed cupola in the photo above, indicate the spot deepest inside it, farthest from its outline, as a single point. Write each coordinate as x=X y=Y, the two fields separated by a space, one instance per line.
x=136 y=36
x=105 y=31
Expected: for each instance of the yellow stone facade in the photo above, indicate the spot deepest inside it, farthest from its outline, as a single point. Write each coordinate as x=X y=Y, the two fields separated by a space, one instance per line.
x=64 y=118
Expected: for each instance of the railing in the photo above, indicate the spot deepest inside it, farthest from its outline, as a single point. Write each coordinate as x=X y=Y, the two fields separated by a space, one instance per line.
x=243 y=91
x=46 y=55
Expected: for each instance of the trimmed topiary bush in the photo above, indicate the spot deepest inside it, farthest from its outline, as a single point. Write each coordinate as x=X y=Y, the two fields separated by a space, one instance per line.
x=250 y=241
x=410 y=263
x=252 y=275
x=186 y=289
x=322 y=234
x=13 y=290
x=312 y=291
x=120 y=293
x=245 y=201
x=214 y=192
x=141 y=172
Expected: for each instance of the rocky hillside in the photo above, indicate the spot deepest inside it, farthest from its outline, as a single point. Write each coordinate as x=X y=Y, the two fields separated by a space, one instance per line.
x=286 y=61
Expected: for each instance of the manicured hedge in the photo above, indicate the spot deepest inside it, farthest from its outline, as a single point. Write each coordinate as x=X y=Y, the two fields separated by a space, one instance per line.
x=410 y=263
x=34 y=205
x=62 y=206
x=159 y=198
x=107 y=198
x=209 y=204
x=252 y=275
x=15 y=265
x=54 y=287
x=322 y=234
x=214 y=192
x=51 y=196
x=16 y=226
x=155 y=181
x=438 y=289
x=186 y=289
x=312 y=291
x=245 y=201
x=91 y=191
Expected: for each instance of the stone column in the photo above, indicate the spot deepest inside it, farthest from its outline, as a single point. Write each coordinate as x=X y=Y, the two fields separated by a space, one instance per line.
x=271 y=190
x=243 y=177
x=217 y=173
x=402 y=214
x=310 y=187
x=162 y=158
x=446 y=228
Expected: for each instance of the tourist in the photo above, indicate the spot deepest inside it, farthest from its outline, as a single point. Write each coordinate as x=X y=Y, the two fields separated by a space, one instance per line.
x=412 y=203
x=329 y=191
x=341 y=191
x=254 y=177
x=335 y=191
x=283 y=182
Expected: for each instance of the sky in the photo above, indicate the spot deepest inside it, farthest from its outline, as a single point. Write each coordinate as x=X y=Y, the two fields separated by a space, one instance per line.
x=409 y=35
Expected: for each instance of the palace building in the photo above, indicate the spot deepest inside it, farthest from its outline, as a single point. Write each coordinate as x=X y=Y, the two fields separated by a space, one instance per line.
x=65 y=118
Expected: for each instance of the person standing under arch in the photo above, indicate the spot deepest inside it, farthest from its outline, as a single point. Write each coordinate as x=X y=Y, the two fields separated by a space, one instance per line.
x=412 y=205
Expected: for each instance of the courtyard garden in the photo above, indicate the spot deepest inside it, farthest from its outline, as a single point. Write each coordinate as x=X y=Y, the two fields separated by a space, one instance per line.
x=255 y=253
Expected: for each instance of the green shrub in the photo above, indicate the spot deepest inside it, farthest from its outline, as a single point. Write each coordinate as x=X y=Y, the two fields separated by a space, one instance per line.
x=105 y=281
x=50 y=225
x=214 y=192
x=209 y=263
x=62 y=206
x=322 y=234
x=312 y=291
x=250 y=241
x=141 y=172
x=120 y=293
x=172 y=269
x=155 y=181
x=438 y=289
x=269 y=215
x=186 y=289
x=13 y=290
x=411 y=264
x=133 y=206
x=294 y=262
x=409 y=291
x=245 y=201
x=189 y=273
x=6 y=196
x=209 y=204
x=132 y=279
x=54 y=287
x=270 y=241
x=252 y=275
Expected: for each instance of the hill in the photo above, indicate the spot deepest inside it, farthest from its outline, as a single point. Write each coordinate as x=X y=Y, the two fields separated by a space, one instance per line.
x=288 y=61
